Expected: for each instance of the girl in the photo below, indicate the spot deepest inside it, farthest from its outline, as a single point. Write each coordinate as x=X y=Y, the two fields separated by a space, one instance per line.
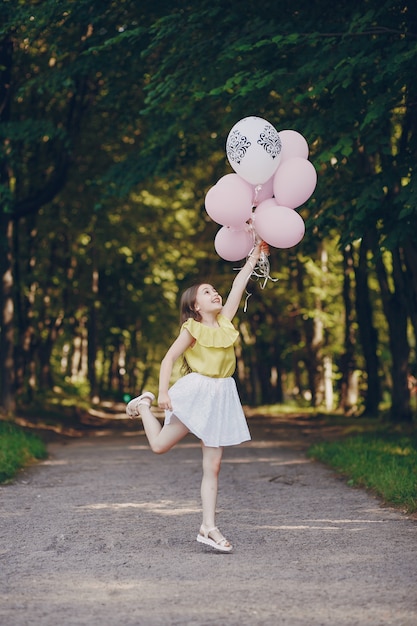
x=204 y=401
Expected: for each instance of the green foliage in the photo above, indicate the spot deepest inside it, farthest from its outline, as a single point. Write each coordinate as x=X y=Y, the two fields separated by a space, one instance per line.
x=343 y=80
x=386 y=463
x=119 y=112
x=17 y=449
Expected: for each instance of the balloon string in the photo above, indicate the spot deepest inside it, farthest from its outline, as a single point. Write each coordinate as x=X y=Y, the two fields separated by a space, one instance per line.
x=245 y=306
x=258 y=188
x=260 y=271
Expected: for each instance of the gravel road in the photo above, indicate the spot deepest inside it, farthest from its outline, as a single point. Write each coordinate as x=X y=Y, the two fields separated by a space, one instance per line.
x=103 y=533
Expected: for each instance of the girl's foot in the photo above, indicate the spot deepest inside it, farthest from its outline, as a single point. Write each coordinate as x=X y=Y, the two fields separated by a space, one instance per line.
x=214 y=539
x=132 y=409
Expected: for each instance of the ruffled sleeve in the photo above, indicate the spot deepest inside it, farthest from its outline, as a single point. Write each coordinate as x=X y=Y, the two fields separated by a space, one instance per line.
x=223 y=336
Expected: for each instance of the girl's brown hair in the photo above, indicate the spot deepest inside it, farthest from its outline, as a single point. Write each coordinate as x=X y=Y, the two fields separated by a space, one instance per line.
x=187 y=304
x=187 y=310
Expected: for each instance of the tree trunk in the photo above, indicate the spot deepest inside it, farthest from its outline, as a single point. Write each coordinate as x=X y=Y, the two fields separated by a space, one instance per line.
x=7 y=402
x=264 y=369
x=277 y=377
x=348 y=392
x=44 y=351
x=395 y=308
x=314 y=333
x=92 y=335
x=410 y=262
x=25 y=288
x=328 y=383
x=367 y=332
x=314 y=339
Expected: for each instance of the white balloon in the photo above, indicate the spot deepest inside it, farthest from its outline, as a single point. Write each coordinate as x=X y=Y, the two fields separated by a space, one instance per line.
x=253 y=149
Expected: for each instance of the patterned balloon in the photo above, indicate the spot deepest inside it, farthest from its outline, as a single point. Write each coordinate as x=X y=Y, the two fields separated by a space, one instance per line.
x=253 y=148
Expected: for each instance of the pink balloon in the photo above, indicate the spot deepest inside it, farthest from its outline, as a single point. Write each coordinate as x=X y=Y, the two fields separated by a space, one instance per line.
x=293 y=145
x=279 y=226
x=271 y=202
x=294 y=182
x=263 y=192
x=233 y=245
x=229 y=202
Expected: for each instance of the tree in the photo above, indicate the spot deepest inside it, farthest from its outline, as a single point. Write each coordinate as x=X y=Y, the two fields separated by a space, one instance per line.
x=48 y=88
x=367 y=140
x=113 y=128
x=6 y=295
x=35 y=152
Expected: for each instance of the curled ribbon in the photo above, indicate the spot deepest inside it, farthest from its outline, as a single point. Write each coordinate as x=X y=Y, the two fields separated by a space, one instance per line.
x=261 y=271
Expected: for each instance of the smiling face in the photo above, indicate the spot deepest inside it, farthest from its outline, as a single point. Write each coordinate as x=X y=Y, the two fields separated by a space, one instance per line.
x=199 y=302
x=207 y=300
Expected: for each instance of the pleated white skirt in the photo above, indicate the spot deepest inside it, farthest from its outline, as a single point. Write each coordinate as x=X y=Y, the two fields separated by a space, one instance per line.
x=210 y=408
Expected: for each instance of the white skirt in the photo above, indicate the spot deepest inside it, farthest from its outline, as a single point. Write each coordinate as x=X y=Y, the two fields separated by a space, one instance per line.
x=210 y=408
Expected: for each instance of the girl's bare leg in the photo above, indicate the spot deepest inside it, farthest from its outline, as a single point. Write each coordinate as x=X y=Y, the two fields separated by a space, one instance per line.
x=212 y=458
x=161 y=438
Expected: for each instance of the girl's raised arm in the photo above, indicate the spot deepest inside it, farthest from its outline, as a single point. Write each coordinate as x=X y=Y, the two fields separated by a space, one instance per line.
x=238 y=286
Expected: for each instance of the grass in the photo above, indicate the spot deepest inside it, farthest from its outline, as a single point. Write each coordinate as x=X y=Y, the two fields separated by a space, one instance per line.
x=383 y=462
x=17 y=449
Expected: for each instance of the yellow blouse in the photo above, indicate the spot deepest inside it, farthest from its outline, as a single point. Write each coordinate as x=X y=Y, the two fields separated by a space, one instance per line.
x=213 y=353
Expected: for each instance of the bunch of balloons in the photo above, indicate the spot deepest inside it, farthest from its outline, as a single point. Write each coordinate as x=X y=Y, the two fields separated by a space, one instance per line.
x=272 y=178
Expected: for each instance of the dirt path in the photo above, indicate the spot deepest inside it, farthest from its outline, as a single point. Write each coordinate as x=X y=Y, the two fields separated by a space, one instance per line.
x=103 y=533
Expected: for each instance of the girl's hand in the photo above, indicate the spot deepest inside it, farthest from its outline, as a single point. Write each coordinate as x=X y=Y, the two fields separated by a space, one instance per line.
x=264 y=247
x=261 y=246
x=164 y=401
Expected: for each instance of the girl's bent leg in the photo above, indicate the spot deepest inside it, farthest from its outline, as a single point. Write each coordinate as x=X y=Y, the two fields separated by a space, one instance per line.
x=161 y=438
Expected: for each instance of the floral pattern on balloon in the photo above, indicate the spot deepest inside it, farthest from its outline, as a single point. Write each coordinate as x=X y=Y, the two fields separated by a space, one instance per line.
x=270 y=140
x=237 y=146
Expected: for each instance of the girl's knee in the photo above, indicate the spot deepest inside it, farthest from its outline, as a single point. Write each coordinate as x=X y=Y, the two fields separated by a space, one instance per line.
x=158 y=448
x=167 y=438
x=216 y=464
x=212 y=461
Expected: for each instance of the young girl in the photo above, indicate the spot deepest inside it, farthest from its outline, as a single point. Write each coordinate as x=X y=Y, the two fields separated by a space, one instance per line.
x=204 y=401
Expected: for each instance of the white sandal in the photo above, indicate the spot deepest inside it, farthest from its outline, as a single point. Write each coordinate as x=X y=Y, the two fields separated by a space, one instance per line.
x=132 y=410
x=222 y=544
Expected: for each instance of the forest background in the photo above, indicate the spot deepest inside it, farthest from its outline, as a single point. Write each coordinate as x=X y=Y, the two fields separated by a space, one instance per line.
x=113 y=123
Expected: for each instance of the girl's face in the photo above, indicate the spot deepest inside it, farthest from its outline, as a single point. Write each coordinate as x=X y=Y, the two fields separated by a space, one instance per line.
x=208 y=300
